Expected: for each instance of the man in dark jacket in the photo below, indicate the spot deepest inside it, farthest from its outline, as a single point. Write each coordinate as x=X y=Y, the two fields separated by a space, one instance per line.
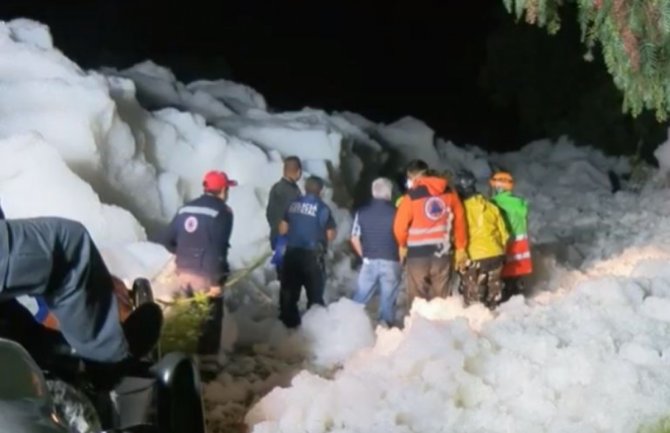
x=282 y=194
x=56 y=259
x=199 y=236
x=309 y=226
x=372 y=238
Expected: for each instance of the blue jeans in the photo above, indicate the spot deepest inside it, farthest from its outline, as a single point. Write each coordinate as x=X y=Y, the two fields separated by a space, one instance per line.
x=384 y=274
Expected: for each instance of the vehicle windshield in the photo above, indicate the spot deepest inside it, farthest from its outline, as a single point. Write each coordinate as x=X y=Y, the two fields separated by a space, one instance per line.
x=23 y=378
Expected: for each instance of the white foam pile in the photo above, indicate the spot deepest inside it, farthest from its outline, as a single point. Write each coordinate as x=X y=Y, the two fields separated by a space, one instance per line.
x=121 y=150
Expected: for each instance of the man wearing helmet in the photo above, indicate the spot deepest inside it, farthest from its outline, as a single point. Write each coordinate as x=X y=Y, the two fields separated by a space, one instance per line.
x=518 y=262
x=199 y=236
x=487 y=238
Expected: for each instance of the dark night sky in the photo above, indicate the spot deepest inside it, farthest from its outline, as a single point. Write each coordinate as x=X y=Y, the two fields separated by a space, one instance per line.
x=408 y=57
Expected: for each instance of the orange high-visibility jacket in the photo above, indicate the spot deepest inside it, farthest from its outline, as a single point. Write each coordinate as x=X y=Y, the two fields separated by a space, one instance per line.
x=430 y=218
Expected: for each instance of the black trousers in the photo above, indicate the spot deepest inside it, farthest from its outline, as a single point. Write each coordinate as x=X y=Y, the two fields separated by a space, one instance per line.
x=301 y=268
x=209 y=342
x=56 y=258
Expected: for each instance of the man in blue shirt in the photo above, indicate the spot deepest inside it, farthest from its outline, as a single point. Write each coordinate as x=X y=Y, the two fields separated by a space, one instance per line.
x=372 y=238
x=199 y=236
x=309 y=226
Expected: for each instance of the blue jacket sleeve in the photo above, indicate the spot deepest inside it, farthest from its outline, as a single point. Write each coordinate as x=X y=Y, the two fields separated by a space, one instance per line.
x=170 y=237
x=227 y=229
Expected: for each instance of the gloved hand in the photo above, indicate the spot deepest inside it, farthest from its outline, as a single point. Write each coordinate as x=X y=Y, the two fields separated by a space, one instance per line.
x=461 y=260
x=402 y=252
x=280 y=249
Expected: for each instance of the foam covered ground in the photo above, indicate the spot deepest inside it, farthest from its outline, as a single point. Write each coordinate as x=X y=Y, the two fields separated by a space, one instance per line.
x=121 y=150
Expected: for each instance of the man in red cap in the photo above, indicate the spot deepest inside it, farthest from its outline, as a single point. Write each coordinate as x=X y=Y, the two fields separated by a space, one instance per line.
x=199 y=236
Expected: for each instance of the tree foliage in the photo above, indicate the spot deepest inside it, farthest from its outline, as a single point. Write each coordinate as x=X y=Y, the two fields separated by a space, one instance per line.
x=542 y=86
x=633 y=35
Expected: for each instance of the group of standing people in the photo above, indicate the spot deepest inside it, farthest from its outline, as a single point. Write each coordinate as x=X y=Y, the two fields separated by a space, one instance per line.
x=430 y=231
x=433 y=230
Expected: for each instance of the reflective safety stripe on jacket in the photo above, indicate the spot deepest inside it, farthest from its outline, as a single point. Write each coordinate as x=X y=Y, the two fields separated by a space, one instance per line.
x=518 y=261
x=427 y=218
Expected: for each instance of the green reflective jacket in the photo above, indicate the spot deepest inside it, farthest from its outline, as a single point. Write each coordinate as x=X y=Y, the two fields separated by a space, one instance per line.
x=515 y=212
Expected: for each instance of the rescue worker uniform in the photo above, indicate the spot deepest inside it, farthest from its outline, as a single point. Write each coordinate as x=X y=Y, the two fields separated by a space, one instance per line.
x=429 y=218
x=373 y=224
x=487 y=238
x=199 y=236
x=518 y=260
x=308 y=218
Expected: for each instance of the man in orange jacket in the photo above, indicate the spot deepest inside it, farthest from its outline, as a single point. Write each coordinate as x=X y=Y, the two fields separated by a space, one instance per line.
x=429 y=220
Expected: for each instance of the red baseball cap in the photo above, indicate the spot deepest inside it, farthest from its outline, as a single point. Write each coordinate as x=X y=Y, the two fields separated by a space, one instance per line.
x=217 y=180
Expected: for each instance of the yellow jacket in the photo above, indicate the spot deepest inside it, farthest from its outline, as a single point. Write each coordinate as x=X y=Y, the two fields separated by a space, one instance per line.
x=487 y=233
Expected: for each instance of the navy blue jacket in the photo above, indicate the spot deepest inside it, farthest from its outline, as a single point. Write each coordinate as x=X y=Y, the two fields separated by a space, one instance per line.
x=199 y=235
x=374 y=225
x=308 y=220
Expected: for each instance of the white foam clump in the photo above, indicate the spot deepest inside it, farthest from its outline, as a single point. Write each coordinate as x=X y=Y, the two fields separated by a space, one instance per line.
x=149 y=163
x=594 y=360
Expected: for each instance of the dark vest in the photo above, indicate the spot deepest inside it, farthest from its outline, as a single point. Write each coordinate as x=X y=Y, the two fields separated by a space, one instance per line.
x=376 y=223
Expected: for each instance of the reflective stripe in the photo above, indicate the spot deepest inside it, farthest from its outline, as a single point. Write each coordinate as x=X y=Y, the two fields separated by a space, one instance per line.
x=437 y=229
x=425 y=242
x=518 y=257
x=520 y=238
x=199 y=210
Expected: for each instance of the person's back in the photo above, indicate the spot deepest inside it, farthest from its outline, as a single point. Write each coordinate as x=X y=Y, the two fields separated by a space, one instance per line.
x=487 y=237
x=430 y=226
x=518 y=262
x=372 y=238
x=199 y=236
x=375 y=221
x=307 y=218
x=308 y=226
x=433 y=214
x=515 y=212
x=203 y=227
x=487 y=230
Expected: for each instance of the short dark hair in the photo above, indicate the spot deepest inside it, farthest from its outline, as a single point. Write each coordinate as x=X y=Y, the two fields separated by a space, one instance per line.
x=314 y=185
x=416 y=166
x=292 y=163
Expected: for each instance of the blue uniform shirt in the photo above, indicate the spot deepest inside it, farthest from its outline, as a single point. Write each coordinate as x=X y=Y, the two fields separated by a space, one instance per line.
x=308 y=219
x=199 y=235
